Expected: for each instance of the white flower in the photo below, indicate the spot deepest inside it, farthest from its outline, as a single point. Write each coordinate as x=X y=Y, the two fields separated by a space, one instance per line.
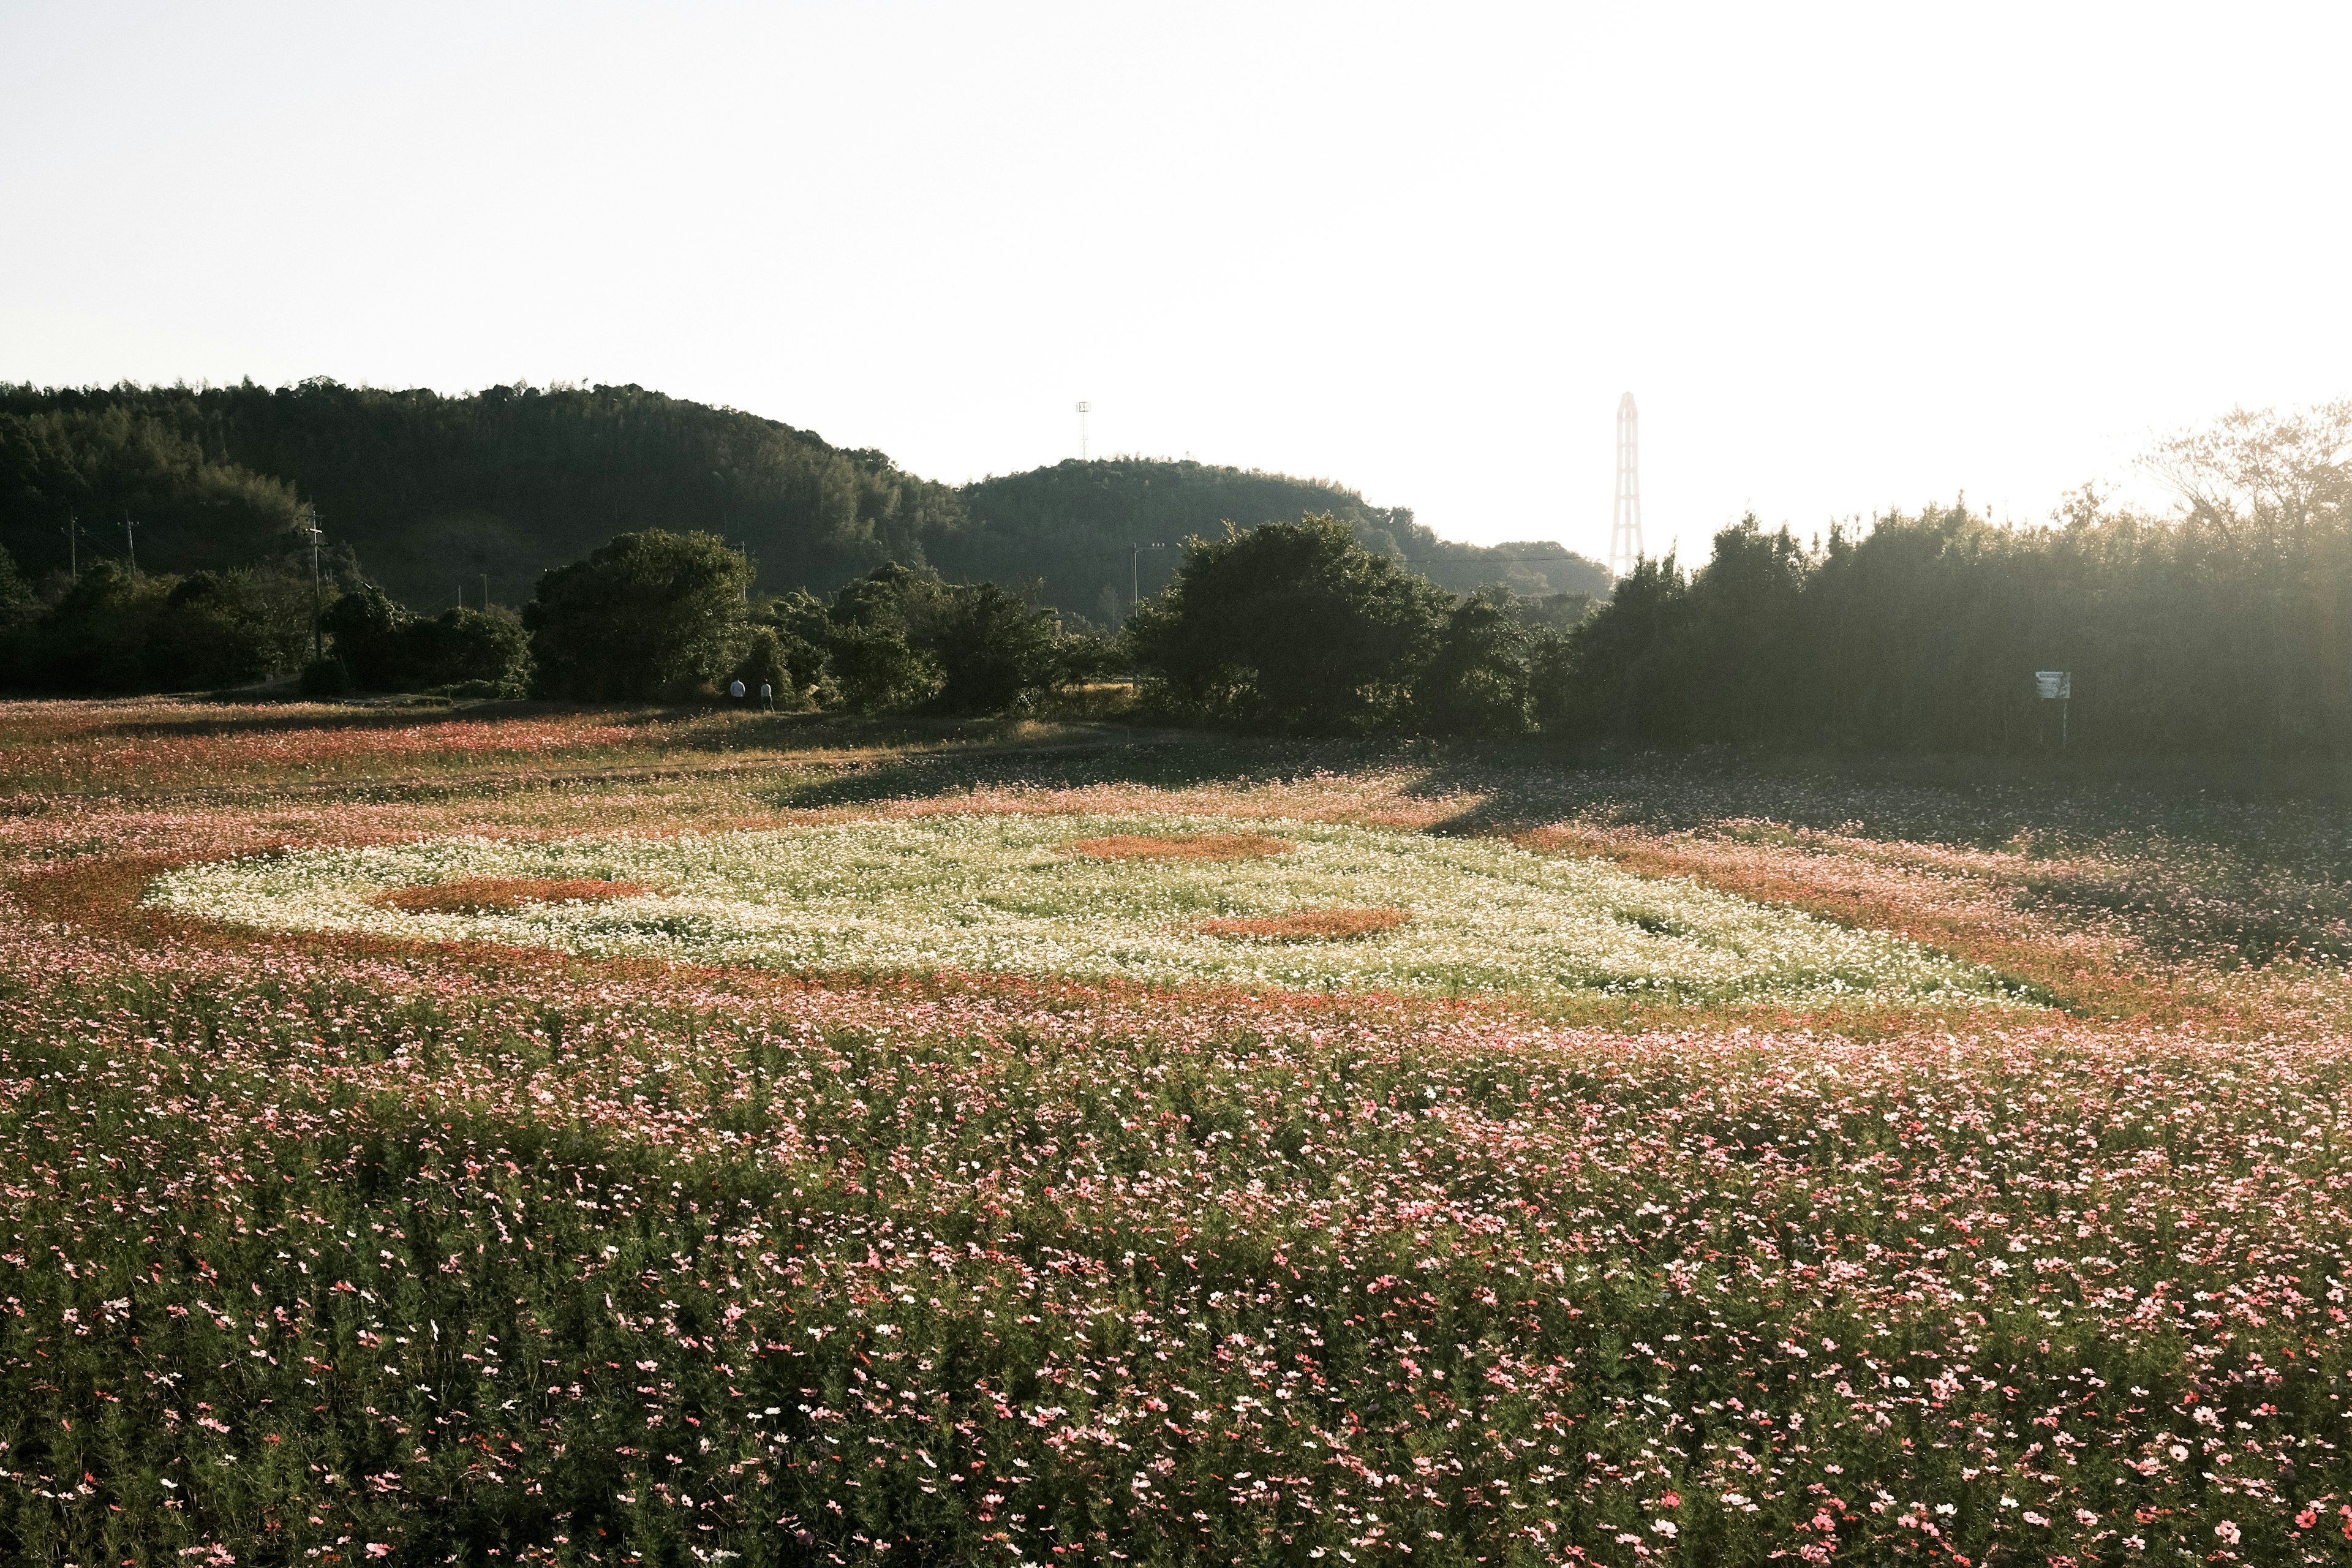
x=1003 y=892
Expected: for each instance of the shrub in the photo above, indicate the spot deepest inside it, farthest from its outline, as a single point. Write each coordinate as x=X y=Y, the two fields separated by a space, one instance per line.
x=389 y=648
x=472 y=649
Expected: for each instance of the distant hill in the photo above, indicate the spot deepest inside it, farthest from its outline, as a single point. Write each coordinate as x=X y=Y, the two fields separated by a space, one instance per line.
x=429 y=493
x=1072 y=525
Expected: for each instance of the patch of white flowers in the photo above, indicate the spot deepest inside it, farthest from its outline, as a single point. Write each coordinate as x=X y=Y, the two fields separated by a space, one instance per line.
x=999 y=892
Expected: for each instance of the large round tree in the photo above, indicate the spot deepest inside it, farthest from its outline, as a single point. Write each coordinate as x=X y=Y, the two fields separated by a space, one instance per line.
x=1291 y=625
x=648 y=614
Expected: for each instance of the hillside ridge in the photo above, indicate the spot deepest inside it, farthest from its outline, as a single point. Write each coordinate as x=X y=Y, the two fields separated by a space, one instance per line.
x=441 y=497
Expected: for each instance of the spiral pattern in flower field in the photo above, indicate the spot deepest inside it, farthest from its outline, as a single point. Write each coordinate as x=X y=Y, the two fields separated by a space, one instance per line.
x=1009 y=892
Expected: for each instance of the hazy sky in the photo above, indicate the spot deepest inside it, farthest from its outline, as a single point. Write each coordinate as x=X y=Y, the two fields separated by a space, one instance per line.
x=1846 y=259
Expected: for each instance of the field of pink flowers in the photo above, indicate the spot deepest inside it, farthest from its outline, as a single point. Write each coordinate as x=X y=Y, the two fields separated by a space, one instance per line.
x=340 y=1250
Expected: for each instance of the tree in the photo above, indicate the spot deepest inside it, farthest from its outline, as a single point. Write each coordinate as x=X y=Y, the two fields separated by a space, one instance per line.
x=876 y=640
x=1291 y=626
x=94 y=637
x=996 y=650
x=223 y=630
x=2262 y=474
x=471 y=648
x=648 y=614
x=1479 y=681
x=763 y=665
x=370 y=633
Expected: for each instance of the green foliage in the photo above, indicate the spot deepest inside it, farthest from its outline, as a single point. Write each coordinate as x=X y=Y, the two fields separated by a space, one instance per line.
x=19 y=608
x=875 y=636
x=15 y=593
x=387 y=647
x=89 y=459
x=648 y=614
x=226 y=629
x=94 y=637
x=996 y=650
x=1291 y=626
x=763 y=664
x=2219 y=634
x=111 y=632
x=370 y=636
x=473 y=648
x=1481 y=678
x=899 y=638
x=431 y=490
x=875 y=670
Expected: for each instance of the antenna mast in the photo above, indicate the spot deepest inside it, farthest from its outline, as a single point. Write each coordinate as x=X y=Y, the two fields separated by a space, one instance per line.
x=1084 y=409
x=1626 y=520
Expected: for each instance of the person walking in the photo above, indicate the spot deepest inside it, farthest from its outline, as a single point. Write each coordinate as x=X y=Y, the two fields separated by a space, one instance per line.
x=767 y=696
x=735 y=691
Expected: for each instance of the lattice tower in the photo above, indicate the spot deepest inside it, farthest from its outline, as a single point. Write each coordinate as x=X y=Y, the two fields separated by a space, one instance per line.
x=1625 y=521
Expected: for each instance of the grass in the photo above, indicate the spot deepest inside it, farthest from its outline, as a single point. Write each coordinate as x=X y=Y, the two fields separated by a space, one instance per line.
x=358 y=1246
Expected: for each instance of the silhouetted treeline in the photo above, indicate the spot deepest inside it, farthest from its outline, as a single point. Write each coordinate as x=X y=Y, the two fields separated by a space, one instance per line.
x=2224 y=630
x=1925 y=632
x=430 y=495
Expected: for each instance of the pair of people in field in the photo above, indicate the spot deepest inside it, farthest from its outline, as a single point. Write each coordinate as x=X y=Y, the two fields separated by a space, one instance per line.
x=767 y=694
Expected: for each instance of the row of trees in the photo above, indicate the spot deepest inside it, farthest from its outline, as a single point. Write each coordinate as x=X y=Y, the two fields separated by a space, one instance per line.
x=2226 y=628
x=113 y=630
x=649 y=616
x=656 y=614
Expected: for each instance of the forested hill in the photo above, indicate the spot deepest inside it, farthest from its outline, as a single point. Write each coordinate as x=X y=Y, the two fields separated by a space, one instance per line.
x=430 y=493
x=1074 y=524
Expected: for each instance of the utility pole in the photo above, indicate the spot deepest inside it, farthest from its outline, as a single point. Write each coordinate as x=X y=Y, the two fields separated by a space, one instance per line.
x=131 y=544
x=73 y=547
x=1134 y=571
x=485 y=593
x=317 y=596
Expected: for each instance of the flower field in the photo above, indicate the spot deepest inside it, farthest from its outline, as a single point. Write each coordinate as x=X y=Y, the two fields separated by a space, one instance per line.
x=439 y=1233
x=1017 y=893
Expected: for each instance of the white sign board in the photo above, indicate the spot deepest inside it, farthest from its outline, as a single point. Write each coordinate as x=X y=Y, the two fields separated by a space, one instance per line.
x=2053 y=685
